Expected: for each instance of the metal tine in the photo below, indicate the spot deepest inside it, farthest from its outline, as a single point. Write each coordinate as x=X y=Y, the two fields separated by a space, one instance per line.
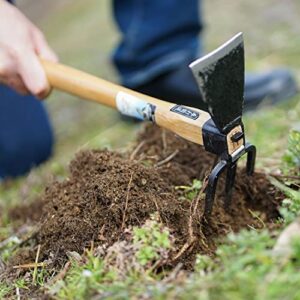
x=212 y=185
x=251 y=151
x=230 y=179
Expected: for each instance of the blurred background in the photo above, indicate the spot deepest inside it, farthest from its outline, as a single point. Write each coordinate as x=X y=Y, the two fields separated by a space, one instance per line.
x=83 y=34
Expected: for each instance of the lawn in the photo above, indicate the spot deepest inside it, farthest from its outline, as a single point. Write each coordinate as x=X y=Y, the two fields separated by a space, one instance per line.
x=244 y=267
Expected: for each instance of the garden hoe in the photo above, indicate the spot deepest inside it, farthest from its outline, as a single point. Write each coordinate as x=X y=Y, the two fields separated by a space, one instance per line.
x=220 y=77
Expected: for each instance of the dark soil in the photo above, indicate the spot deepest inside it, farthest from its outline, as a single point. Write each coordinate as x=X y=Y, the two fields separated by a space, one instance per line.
x=107 y=192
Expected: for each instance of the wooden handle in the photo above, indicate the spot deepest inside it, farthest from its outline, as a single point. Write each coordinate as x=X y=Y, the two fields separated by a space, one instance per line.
x=184 y=121
x=87 y=86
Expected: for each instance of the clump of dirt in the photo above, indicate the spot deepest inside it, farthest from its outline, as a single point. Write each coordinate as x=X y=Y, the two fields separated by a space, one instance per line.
x=104 y=194
x=107 y=192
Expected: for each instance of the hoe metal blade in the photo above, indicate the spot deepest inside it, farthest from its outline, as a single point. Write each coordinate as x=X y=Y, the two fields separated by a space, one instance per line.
x=220 y=77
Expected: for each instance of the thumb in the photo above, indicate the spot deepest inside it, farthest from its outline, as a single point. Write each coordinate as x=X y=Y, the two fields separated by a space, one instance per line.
x=33 y=75
x=42 y=48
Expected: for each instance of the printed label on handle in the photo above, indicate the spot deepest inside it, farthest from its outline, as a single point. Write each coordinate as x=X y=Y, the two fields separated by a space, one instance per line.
x=132 y=106
x=185 y=111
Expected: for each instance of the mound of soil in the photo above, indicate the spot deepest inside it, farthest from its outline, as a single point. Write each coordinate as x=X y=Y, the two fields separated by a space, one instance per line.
x=107 y=192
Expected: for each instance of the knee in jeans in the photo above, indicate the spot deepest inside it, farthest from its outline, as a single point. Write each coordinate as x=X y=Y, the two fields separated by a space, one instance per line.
x=19 y=155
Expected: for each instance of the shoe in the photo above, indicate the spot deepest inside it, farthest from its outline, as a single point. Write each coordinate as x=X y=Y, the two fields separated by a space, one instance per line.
x=268 y=88
x=179 y=86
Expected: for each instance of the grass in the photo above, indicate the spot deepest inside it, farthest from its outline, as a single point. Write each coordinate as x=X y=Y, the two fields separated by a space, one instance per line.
x=83 y=35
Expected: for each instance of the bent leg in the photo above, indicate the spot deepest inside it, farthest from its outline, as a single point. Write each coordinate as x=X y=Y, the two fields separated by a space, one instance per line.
x=26 y=137
x=156 y=37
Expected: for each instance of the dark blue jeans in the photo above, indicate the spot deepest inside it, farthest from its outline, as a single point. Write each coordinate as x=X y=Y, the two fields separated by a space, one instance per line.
x=156 y=37
x=26 y=137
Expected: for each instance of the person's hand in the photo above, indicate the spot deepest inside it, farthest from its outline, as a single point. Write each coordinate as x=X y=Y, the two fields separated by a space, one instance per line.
x=21 y=45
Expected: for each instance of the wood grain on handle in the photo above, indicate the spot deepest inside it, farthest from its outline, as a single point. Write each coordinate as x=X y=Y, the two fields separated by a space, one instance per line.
x=88 y=86
x=187 y=128
x=92 y=88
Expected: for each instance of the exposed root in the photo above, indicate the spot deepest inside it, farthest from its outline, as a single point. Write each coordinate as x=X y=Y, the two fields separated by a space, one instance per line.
x=136 y=150
x=168 y=159
x=62 y=274
x=164 y=140
x=193 y=215
x=184 y=249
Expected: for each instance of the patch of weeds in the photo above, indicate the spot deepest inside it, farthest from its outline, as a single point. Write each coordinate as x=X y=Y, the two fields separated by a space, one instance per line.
x=204 y=264
x=4 y=290
x=190 y=192
x=291 y=158
x=21 y=283
x=291 y=166
x=124 y=269
x=40 y=277
x=291 y=205
x=84 y=280
x=244 y=268
x=248 y=243
x=9 y=247
x=152 y=240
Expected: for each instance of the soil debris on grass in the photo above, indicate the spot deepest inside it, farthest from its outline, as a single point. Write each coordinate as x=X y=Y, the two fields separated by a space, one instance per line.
x=107 y=192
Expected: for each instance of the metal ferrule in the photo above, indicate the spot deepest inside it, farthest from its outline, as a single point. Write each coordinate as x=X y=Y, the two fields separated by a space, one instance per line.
x=218 y=143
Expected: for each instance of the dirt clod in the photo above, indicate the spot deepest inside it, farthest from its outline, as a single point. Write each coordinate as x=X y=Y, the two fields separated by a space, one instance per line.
x=107 y=192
